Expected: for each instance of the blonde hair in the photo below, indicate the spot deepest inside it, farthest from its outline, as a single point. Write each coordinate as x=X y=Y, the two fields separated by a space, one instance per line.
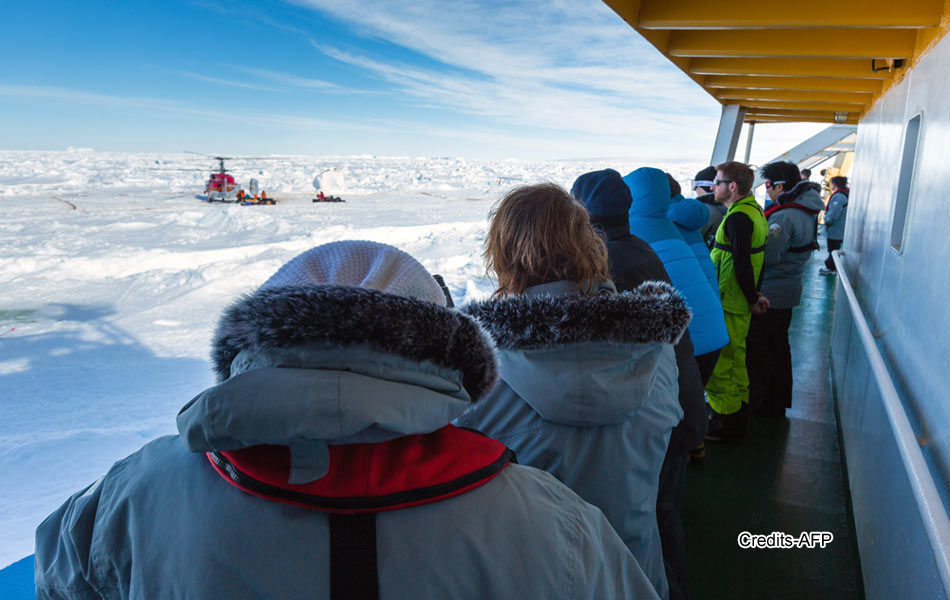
x=539 y=234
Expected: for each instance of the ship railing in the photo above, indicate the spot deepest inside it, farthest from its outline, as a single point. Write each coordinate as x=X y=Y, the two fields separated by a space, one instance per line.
x=929 y=502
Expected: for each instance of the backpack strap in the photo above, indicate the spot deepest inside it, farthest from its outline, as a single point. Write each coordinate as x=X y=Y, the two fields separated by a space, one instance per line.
x=728 y=248
x=777 y=207
x=431 y=467
x=806 y=248
x=353 y=570
x=812 y=245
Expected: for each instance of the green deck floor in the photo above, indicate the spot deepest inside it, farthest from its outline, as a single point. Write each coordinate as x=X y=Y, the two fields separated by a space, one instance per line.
x=787 y=476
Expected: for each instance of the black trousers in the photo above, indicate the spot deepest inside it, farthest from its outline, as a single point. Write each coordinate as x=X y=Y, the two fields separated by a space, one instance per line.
x=832 y=246
x=669 y=517
x=769 y=361
x=706 y=363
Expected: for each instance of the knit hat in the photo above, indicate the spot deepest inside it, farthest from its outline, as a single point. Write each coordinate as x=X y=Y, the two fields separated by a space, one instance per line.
x=603 y=193
x=705 y=178
x=363 y=264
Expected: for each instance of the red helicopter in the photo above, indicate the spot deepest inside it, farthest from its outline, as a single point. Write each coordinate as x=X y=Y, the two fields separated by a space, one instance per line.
x=222 y=187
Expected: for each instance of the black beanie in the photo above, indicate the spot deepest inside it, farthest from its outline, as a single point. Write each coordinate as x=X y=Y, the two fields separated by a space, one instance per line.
x=705 y=178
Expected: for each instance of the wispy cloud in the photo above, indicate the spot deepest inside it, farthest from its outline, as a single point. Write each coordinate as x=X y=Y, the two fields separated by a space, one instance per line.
x=305 y=83
x=526 y=102
x=279 y=82
x=291 y=80
x=72 y=96
x=174 y=107
x=568 y=66
x=228 y=82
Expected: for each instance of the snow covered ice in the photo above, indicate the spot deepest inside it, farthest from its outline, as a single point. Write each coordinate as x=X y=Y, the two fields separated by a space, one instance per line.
x=113 y=275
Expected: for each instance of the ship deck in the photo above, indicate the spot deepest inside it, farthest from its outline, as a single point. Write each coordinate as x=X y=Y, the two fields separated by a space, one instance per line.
x=788 y=476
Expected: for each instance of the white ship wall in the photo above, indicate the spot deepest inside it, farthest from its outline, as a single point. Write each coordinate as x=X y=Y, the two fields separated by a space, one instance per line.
x=905 y=296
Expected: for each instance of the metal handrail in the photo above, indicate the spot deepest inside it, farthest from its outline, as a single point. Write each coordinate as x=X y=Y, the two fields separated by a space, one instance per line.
x=931 y=507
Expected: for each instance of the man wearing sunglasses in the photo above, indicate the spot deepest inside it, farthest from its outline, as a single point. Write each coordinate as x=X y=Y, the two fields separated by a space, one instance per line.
x=793 y=235
x=738 y=258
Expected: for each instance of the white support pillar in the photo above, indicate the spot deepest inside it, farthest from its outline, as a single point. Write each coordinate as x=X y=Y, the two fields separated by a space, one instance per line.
x=730 y=124
x=748 y=142
x=813 y=146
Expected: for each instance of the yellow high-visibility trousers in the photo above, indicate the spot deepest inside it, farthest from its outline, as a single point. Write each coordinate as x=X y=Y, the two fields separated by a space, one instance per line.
x=728 y=386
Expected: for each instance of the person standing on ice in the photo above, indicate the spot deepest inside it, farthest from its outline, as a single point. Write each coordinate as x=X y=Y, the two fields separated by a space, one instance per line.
x=323 y=464
x=588 y=388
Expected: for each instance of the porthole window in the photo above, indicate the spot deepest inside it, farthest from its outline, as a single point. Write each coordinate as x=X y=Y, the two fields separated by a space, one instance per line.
x=905 y=183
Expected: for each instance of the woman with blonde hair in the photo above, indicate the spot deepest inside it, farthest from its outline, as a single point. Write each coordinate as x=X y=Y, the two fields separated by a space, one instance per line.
x=587 y=387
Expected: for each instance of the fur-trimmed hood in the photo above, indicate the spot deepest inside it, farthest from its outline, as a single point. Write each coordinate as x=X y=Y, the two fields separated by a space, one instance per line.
x=653 y=312
x=308 y=366
x=346 y=316
x=585 y=360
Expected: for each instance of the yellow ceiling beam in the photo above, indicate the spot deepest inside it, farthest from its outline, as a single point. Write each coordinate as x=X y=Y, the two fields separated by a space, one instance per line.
x=784 y=112
x=773 y=114
x=858 y=98
x=803 y=14
x=833 y=43
x=660 y=38
x=926 y=40
x=627 y=9
x=869 y=86
x=797 y=119
x=804 y=67
x=752 y=105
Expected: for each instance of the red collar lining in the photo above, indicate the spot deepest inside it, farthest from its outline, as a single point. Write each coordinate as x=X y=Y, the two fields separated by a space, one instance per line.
x=407 y=471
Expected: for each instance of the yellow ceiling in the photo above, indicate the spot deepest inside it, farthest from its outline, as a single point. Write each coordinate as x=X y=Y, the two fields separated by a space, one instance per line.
x=806 y=60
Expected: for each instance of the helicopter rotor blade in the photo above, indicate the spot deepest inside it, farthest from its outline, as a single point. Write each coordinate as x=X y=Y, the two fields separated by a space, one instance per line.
x=177 y=169
x=235 y=157
x=208 y=155
x=255 y=158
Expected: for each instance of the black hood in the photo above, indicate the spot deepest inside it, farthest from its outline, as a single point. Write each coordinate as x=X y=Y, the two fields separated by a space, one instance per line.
x=800 y=188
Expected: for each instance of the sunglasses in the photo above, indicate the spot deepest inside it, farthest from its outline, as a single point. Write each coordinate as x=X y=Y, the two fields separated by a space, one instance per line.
x=718 y=181
x=769 y=184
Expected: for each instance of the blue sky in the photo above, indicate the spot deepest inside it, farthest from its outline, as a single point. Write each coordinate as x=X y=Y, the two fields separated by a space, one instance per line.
x=522 y=79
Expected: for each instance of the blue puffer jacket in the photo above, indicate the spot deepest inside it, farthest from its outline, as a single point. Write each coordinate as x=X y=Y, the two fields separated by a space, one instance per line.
x=314 y=372
x=588 y=392
x=690 y=216
x=648 y=221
